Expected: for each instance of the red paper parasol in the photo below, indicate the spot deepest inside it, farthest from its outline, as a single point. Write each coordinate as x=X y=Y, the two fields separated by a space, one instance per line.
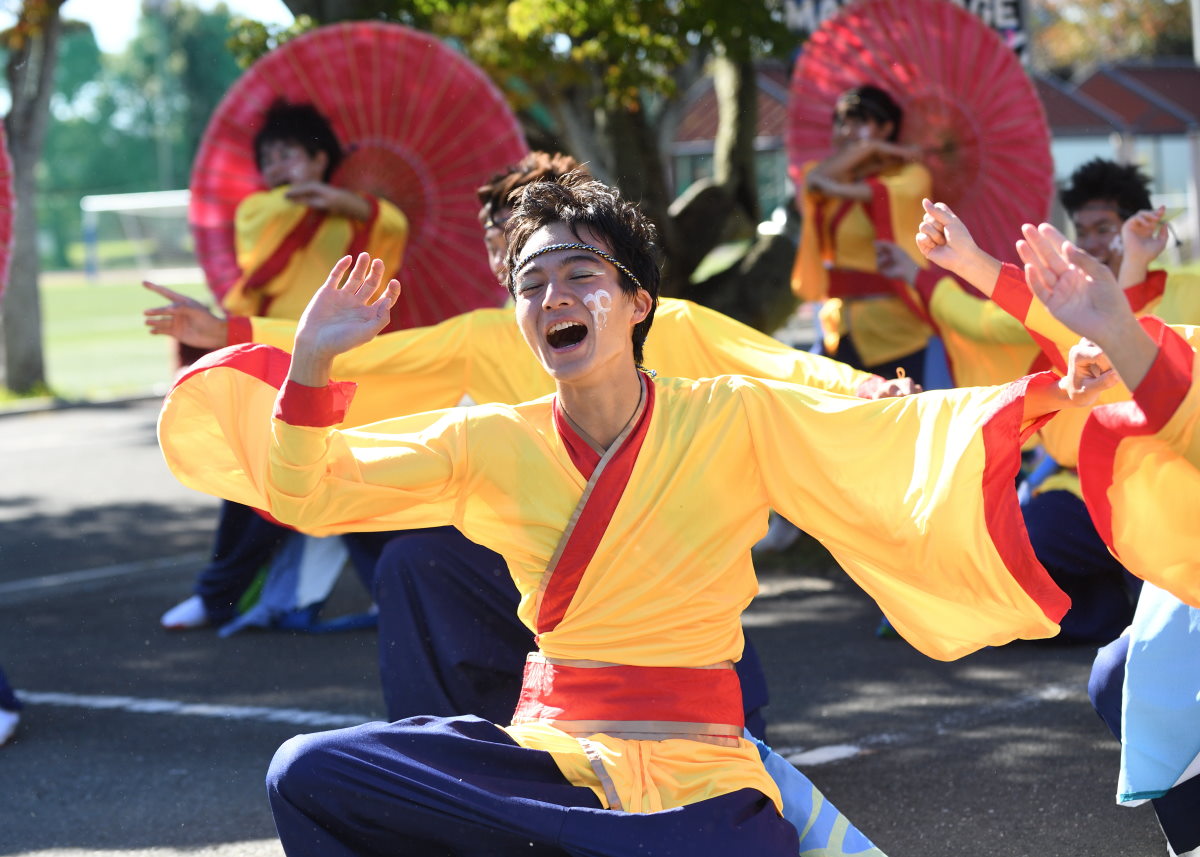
x=967 y=102
x=6 y=210
x=422 y=126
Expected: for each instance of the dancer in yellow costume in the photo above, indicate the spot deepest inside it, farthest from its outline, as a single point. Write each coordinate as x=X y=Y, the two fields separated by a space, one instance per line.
x=1140 y=469
x=1102 y=589
x=612 y=502
x=869 y=188
x=301 y=222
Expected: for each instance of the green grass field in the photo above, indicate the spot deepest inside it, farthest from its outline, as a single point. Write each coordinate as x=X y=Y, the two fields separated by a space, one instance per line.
x=95 y=345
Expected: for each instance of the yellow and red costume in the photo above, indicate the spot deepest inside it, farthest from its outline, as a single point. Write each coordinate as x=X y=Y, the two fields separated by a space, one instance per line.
x=283 y=246
x=480 y=355
x=836 y=263
x=633 y=563
x=984 y=344
x=1139 y=466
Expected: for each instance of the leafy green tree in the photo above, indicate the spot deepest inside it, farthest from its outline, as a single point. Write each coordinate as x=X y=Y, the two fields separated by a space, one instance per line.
x=170 y=79
x=602 y=79
x=1076 y=34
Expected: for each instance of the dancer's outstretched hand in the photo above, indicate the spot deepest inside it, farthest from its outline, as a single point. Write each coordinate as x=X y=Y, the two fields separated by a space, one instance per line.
x=186 y=319
x=1145 y=233
x=1089 y=373
x=348 y=310
x=1076 y=288
x=945 y=240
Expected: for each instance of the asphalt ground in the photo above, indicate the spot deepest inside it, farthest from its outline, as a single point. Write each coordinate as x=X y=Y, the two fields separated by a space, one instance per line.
x=139 y=741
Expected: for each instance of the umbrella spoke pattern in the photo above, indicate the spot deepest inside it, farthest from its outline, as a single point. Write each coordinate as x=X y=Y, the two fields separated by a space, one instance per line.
x=967 y=103
x=422 y=127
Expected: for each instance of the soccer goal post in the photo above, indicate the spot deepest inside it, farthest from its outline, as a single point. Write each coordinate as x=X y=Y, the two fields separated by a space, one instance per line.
x=147 y=232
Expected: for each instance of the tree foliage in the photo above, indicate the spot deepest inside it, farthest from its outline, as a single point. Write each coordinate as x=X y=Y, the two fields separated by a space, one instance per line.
x=602 y=79
x=1074 y=35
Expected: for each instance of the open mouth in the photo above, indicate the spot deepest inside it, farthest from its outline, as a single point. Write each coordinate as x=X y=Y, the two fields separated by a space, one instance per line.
x=564 y=334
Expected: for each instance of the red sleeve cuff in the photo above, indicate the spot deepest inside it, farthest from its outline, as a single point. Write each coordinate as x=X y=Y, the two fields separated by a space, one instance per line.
x=1011 y=293
x=1037 y=381
x=1165 y=386
x=317 y=407
x=1147 y=291
x=238 y=329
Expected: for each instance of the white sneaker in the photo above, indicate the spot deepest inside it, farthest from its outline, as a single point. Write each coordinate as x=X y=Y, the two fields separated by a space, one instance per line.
x=186 y=615
x=8 y=724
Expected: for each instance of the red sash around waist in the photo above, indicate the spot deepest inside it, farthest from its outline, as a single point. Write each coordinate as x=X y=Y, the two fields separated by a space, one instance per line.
x=849 y=284
x=585 y=698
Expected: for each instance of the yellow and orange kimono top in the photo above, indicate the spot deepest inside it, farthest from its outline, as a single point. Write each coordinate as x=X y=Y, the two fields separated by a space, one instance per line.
x=984 y=344
x=835 y=263
x=1061 y=436
x=1139 y=466
x=285 y=250
x=1136 y=454
x=480 y=355
x=635 y=562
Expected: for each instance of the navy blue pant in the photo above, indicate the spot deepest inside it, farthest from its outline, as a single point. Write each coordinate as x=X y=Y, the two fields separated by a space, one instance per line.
x=1179 y=809
x=1103 y=594
x=460 y=786
x=246 y=541
x=8 y=698
x=913 y=364
x=449 y=638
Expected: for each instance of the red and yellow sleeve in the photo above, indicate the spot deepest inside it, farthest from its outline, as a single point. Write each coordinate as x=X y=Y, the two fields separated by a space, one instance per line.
x=1139 y=466
x=691 y=341
x=810 y=282
x=984 y=344
x=931 y=528
x=430 y=368
x=217 y=436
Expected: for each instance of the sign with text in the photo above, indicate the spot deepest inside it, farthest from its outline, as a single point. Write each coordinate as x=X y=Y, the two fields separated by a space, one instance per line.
x=1006 y=17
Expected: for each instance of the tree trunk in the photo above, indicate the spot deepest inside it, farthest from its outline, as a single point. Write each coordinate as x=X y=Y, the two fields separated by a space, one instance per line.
x=638 y=170
x=736 y=86
x=33 y=52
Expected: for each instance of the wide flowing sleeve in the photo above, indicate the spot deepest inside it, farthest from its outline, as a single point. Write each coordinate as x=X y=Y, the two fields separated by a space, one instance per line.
x=1139 y=468
x=810 y=281
x=1055 y=339
x=231 y=427
x=430 y=368
x=915 y=499
x=691 y=341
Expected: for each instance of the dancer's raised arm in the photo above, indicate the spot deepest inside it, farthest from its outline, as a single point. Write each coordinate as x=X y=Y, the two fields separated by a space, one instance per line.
x=945 y=240
x=1084 y=295
x=341 y=316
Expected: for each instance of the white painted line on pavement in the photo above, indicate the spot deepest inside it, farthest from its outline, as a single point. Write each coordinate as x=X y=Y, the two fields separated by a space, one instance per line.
x=142 y=705
x=66 y=578
x=954 y=721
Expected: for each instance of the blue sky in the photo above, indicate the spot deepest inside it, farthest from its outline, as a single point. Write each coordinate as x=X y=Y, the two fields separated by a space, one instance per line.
x=115 y=21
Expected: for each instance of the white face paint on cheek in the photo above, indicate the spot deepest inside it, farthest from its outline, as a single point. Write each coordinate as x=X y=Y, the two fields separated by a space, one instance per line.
x=598 y=303
x=1115 y=246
